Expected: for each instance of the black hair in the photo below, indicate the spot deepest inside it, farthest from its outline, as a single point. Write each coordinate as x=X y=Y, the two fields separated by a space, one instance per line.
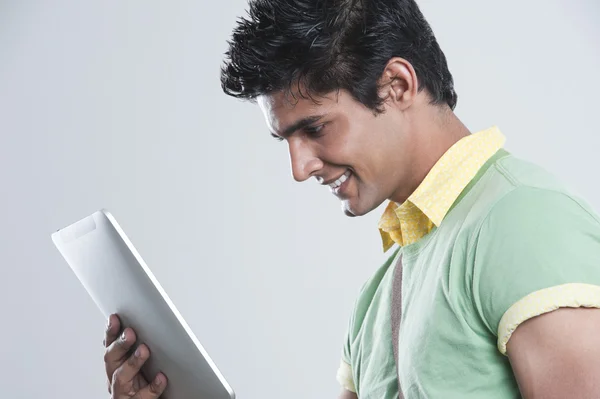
x=328 y=45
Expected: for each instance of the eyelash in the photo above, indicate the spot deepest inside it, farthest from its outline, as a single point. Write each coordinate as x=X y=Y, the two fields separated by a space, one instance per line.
x=312 y=131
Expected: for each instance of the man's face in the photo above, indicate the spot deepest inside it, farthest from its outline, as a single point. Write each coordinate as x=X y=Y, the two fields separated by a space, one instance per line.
x=362 y=158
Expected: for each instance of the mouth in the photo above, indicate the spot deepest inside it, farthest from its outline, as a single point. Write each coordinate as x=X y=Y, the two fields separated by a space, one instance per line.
x=340 y=183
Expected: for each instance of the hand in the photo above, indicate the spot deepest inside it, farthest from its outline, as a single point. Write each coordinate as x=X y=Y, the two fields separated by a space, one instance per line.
x=123 y=368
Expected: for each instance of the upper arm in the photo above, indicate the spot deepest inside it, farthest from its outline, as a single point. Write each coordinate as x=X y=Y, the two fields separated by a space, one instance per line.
x=557 y=355
x=536 y=268
x=346 y=394
x=537 y=251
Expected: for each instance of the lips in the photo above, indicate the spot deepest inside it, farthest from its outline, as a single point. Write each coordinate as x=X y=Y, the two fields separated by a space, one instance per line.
x=340 y=186
x=340 y=180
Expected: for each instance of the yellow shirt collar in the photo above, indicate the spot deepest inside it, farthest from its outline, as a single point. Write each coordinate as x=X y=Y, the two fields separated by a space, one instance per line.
x=428 y=205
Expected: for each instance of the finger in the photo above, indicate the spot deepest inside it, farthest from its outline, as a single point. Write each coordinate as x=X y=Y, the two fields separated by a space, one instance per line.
x=130 y=369
x=113 y=329
x=154 y=389
x=111 y=333
x=116 y=353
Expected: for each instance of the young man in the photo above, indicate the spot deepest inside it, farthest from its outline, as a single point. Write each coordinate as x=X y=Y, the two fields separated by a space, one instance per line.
x=495 y=261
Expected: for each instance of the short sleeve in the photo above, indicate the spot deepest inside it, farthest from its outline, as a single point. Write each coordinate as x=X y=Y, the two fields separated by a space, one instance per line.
x=344 y=373
x=536 y=251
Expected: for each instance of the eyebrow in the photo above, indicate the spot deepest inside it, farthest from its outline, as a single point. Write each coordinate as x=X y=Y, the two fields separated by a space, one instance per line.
x=300 y=124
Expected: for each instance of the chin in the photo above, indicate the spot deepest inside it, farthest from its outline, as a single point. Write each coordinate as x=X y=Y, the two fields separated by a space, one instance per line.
x=347 y=212
x=354 y=211
x=353 y=207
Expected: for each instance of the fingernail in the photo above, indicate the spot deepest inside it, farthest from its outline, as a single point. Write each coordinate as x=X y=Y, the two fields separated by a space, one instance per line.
x=137 y=352
x=157 y=380
x=123 y=336
x=108 y=324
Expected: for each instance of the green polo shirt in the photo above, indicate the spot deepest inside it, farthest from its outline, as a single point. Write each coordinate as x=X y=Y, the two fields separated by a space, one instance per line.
x=515 y=244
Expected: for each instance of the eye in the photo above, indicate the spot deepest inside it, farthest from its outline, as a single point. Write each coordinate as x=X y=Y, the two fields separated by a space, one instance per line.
x=276 y=137
x=314 y=131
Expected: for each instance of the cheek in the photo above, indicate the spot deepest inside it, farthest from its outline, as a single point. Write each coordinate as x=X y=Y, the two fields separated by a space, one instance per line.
x=369 y=161
x=358 y=142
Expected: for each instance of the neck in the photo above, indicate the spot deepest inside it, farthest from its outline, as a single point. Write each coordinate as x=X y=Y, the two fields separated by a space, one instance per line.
x=433 y=136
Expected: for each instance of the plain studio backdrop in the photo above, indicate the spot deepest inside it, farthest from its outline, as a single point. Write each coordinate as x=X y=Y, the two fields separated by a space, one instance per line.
x=118 y=104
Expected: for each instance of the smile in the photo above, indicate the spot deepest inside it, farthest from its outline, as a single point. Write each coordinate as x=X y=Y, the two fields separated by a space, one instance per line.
x=340 y=180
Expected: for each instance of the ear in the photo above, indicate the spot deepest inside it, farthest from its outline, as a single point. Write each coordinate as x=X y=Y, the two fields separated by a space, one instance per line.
x=398 y=83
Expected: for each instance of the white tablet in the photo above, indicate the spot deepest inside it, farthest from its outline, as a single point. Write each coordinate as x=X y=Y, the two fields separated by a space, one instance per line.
x=118 y=280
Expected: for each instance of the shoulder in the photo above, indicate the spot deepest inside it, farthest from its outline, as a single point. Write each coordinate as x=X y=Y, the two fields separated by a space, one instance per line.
x=529 y=195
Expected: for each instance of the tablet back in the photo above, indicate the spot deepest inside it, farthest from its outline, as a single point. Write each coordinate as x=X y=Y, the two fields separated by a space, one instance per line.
x=118 y=280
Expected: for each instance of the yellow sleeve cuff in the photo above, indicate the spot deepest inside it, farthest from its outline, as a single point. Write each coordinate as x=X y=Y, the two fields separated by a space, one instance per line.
x=344 y=377
x=573 y=295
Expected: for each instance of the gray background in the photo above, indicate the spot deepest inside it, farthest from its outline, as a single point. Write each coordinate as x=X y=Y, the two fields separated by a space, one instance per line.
x=117 y=104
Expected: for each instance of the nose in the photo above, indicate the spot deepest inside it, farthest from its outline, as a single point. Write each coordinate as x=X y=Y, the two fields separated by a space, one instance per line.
x=305 y=163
